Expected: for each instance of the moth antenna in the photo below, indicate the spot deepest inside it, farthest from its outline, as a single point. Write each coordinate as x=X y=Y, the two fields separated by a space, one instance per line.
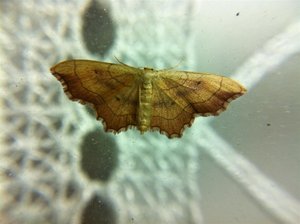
x=121 y=62
x=175 y=66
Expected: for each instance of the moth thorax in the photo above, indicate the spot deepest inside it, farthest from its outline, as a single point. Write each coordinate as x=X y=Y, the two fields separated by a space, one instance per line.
x=145 y=105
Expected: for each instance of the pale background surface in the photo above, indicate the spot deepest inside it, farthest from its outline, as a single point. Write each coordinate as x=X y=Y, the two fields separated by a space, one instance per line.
x=57 y=165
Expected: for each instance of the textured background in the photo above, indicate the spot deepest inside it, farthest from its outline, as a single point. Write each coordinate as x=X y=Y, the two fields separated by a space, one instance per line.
x=58 y=166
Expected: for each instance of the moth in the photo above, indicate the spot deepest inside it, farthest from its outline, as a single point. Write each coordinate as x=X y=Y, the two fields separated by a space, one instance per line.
x=145 y=98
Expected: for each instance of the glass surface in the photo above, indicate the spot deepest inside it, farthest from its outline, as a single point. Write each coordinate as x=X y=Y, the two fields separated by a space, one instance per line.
x=58 y=165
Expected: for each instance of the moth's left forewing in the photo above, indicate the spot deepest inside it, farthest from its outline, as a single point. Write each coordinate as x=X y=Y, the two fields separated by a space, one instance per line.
x=111 y=89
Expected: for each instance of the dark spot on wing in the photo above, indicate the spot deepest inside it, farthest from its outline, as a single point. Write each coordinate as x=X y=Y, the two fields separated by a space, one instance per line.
x=161 y=104
x=182 y=93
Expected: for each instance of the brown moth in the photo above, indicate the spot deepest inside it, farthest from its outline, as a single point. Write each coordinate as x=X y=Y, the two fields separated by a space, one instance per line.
x=164 y=100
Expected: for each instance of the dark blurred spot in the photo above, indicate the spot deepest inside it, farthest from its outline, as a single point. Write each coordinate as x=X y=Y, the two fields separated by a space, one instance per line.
x=57 y=123
x=91 y=111
x=99 y=155
x=237 y=14
x=36 y=163
x=72 y=189
x=182 y=93
x=98 y=211
x=37 y=197
x=268 y=124
x=70 y=129
x=98 y=30
x=9 y=173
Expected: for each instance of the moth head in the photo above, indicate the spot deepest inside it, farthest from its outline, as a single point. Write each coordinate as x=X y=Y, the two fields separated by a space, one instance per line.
x=148 y=69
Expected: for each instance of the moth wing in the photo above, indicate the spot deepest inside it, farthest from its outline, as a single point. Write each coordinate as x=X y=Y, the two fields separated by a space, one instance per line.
x=112 y=89
x=180 y=96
